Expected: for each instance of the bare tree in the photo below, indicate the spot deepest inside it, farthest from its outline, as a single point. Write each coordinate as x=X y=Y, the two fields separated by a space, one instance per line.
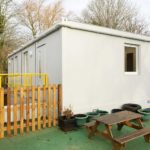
x=37 y=15
x=51 y=14
x=116 y=14
x=8 y=38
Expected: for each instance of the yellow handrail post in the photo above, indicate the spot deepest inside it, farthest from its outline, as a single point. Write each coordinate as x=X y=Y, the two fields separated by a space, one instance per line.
x=46 y=80
x=31 y=80
x=13 y=81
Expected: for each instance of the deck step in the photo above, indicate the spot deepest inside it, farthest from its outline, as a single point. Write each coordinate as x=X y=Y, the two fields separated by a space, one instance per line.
x=133 y=135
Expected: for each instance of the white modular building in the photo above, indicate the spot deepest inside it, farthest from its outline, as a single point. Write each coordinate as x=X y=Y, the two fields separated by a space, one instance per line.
x=97 y=67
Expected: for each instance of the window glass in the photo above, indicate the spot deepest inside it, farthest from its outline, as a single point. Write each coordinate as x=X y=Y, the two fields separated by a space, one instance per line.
x=130 y=59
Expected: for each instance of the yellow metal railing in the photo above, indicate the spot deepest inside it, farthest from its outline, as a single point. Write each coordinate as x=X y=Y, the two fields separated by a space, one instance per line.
x=28 y=79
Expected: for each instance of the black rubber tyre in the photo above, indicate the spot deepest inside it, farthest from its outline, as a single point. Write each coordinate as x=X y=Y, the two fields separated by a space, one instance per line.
x=116 y=110
x=131 y=107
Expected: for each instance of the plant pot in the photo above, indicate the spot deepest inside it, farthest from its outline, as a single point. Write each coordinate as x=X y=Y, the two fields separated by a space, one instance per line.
x=67 y=124
x=92 y=115
x=81 y=119
x=147 y=110
x=145 y=113
x=102 y=112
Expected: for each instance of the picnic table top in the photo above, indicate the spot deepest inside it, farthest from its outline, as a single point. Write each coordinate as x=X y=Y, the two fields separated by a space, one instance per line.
x=118 y=117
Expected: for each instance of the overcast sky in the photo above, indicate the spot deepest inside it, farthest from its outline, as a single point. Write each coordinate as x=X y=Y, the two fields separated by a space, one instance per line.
x=78 y=5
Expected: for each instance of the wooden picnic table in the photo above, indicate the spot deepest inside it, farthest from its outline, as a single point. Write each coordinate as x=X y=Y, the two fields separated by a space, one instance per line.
x=120 y=118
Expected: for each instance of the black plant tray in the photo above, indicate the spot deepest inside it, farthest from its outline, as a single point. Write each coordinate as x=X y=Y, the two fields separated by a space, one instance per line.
x=67 y=124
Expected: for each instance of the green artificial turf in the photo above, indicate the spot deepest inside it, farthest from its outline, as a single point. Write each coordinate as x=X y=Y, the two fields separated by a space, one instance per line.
x=55 y=139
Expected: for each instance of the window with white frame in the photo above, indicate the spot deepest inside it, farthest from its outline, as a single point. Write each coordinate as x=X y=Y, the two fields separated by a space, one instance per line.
x=131 y=58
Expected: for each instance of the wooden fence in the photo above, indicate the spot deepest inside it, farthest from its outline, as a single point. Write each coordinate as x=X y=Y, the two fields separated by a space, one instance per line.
x=29 y=109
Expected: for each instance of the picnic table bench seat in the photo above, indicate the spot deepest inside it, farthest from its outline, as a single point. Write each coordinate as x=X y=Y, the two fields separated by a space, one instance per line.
x=121 y=141
x=90 y=126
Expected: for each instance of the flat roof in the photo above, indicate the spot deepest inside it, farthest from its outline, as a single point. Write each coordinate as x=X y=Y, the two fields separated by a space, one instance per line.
x=87 y=28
